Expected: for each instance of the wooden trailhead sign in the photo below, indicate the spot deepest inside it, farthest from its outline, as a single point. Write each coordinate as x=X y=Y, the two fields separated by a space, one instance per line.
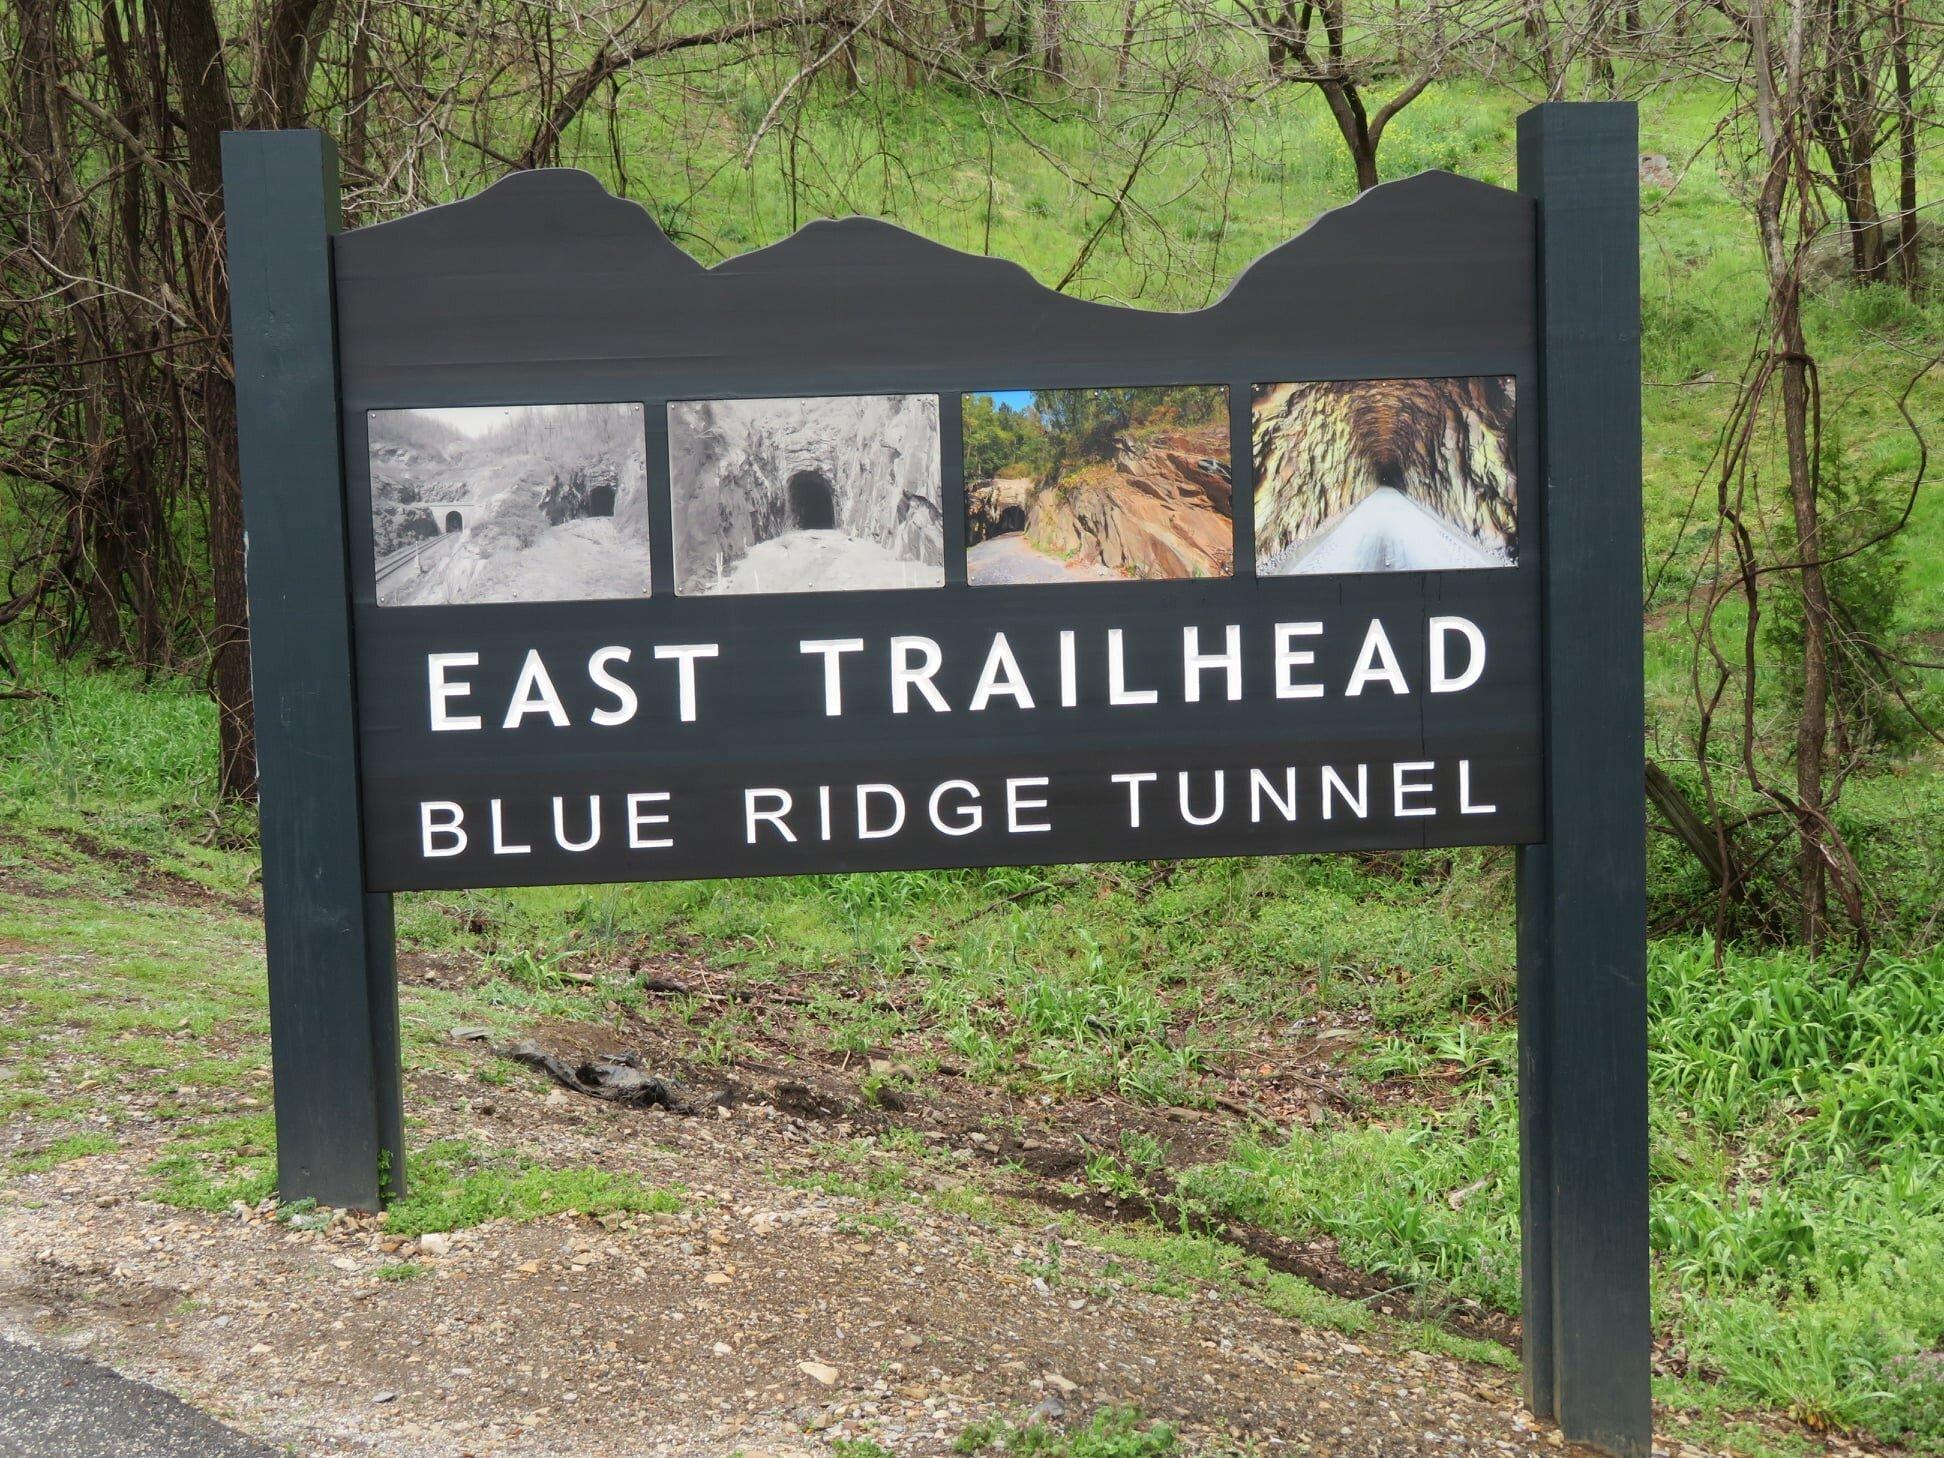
x=573 y=560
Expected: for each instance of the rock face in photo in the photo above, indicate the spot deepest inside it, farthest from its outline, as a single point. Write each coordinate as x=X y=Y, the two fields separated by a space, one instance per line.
x=1163 y=508
x=1413 y=475
x=806 y=495
x=1166 y=511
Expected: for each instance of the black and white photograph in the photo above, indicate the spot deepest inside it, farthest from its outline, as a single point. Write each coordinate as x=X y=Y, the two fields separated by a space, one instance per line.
x=1384 y=475
x=509 y=503
x=828 y=494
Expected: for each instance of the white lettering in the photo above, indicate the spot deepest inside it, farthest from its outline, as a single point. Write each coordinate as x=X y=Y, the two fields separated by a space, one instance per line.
x=780 y=806
x=1118 y=692
x=1400 y=787
x=1134 y=783
x=443 y=692
x=639 y=819
x=1017 y=804
x=971 y=816
x=906 y=676
x=1288 y=658
x=1260 y=787
x=593 y=825
x=831 y=648
x=1221 y=788
x=1069 y=671
x=500 y=845
x=1359 y=802
x=865 y=830
x=685 y=655
x=624 y=697
x=1465 y=806
x=451 y=826
x=534 y=694
x=1001 y=675
x=1194 y=662
x=1441 y=681
x=1376 y=662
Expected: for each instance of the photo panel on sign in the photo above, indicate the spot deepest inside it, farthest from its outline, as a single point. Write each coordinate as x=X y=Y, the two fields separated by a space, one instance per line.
x=1415 y=475
x=1115 y=484
x=509 y=503
x=834 y=493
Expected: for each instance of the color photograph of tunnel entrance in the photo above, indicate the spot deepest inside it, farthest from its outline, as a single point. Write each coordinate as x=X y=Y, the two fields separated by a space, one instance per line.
x=834 y=494
x=1384 y=475
x=1098 y=485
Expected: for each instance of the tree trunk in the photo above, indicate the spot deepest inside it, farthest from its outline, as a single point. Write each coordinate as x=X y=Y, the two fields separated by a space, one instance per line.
x=1051 y=55
x=196 y=57
x=1785 y=142
x=1909 y=264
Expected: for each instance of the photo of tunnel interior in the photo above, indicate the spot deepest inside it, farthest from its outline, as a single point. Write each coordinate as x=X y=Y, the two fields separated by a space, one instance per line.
x=831 y=494
x=1384 y=475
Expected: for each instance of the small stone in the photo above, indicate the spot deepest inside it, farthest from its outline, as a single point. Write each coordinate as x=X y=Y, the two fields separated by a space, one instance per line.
x=821 y=1373
x=385 y=1397
x=1065 y=1388
x=435 y=1243
x=528 y=1268
x=723 y=1349
x=345 y=1263
x=716 y=1278
x=911 y=1341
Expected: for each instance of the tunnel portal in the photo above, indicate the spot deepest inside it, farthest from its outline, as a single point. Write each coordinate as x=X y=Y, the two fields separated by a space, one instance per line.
x=812 y=506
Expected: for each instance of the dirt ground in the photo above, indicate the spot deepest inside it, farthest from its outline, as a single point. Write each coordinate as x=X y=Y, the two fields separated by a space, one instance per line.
x=790 y=1303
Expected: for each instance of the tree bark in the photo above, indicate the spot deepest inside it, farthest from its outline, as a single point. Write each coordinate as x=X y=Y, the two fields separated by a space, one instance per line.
x=196 y=58
x=1909 y=263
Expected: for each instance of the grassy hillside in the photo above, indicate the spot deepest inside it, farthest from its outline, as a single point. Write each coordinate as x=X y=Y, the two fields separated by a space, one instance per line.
x=1798 y=1126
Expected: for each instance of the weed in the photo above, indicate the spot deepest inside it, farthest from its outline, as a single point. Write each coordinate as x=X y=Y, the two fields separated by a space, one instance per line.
x=452 y=1186
x=62 y=1151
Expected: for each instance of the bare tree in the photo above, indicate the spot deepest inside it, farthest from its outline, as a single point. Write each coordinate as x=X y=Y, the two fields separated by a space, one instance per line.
x=1347 y=54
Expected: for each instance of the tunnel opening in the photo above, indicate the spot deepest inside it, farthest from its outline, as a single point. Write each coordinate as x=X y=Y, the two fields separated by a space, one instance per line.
x=600 y=501
x=1012 y=519
x=813 y=508
x=454 y=521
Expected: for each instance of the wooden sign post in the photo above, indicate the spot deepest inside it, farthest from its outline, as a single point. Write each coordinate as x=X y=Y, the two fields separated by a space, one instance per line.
x=573 y=560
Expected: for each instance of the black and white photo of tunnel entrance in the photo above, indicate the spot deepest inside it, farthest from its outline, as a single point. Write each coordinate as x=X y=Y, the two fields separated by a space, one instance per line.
x=832 y=494
x=508 y=503
x=1384 y=475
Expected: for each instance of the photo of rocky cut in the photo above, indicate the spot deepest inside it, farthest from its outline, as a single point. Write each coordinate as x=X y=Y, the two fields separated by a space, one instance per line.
x=509 y=503
x=1384 y=475
x=831 y=494
x=1098 y=485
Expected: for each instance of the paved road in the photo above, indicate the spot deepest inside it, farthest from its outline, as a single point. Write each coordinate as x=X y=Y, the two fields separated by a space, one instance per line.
x=1008 y=558
x=54 y=1406
x=1385 y=532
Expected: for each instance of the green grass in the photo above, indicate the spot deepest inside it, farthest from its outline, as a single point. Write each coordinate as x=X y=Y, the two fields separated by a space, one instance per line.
x=452 y=1186
x=1116 y=1432
x=62 y=1151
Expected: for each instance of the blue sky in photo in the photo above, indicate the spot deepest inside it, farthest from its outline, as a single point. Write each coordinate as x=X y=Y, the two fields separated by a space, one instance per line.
x=1017 y=399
